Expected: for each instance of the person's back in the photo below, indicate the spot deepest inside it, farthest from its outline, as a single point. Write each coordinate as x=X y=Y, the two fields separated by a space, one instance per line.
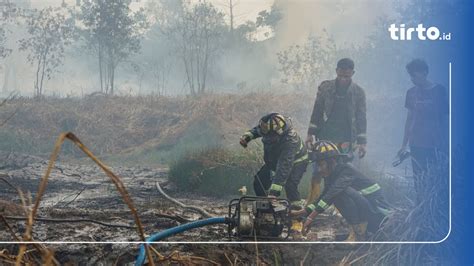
x=352 y=177
x=273 y=148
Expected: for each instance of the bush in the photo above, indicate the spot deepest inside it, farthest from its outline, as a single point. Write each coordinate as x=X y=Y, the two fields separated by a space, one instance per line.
x=217 y=171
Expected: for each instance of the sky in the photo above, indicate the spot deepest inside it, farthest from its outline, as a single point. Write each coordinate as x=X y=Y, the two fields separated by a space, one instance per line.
x=243 y=9
x=348 y=22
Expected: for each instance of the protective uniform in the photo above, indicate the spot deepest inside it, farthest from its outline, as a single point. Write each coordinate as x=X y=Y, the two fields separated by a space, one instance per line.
x=358 y=198
x=339 y=115
x=284 y=154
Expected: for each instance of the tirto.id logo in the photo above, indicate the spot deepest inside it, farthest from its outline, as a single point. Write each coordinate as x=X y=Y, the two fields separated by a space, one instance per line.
x=401 y=33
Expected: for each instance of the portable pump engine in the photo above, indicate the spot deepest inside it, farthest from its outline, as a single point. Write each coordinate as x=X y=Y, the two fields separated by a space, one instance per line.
x=259 y=217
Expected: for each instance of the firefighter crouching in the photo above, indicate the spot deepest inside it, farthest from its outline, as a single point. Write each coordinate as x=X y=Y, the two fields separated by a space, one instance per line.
x=358 y=198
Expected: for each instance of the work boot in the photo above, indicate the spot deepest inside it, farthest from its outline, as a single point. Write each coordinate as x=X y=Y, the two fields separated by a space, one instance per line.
x=296 y=230
x=296 y=226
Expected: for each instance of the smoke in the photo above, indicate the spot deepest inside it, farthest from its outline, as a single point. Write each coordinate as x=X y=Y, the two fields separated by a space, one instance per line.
x=348 y=22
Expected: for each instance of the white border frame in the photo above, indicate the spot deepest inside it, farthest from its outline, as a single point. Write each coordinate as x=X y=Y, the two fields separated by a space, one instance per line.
x=280 y=242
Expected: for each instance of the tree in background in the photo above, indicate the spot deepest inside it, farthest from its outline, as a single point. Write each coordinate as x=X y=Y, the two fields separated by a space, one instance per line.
x=8 y=14
x=198 y=38
x=269 y=19
x=4 y=51
x=303 y=66
x=49 y=31
x=112 y=31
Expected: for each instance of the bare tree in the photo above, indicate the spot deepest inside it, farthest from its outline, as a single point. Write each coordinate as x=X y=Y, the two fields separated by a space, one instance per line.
x=161 y=72
x=8 y=12
x=197 y=34
x=113 y=32
x=3 y=50
x=303 y=65
x=49 y=32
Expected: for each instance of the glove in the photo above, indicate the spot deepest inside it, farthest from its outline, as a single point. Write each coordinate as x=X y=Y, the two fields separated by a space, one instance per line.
x=309 y=220
x=275 y=190
x=362 y=148
x=245 y=139
x=243 y=142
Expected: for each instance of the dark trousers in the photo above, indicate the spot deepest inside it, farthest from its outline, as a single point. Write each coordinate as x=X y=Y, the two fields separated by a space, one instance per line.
x=263 y=180
x=357 y=209
x=422 y=160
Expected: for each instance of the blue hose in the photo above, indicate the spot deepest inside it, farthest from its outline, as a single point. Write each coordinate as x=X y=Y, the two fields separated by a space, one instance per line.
x=176 y=230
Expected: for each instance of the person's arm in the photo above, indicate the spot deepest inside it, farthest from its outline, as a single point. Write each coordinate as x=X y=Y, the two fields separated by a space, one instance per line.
x=361 y=123
x=316 y=119
x=249 y=136
x=407 y=131
x=410 y=105
x=341 y=184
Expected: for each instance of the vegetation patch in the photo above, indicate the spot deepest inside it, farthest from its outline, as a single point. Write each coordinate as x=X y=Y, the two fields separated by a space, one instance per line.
x=216 y=172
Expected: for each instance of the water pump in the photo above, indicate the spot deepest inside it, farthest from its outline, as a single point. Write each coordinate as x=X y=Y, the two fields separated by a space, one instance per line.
x=259 y=218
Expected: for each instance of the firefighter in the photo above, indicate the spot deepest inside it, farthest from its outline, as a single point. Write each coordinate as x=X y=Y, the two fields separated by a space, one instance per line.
x=358 y=198
x=285 y=157
x=339 y=115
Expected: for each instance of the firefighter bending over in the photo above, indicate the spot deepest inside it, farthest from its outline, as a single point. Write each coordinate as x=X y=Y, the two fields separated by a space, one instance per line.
x=358 y=198
x=285 y=156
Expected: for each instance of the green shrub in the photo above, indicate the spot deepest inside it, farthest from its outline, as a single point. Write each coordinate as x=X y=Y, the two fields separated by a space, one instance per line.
x=221 y=172
x=14 y=142
x=216 y=172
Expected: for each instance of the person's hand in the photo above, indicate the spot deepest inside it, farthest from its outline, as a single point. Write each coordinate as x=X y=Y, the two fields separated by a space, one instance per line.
x=309 y=141
x=243 y=142
x=298 y=213
x=308 y=222
x=402 y=150
x=362 y=150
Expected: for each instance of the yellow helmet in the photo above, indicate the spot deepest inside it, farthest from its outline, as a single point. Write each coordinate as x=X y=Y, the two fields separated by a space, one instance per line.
x=272 y=123
x=324 y=150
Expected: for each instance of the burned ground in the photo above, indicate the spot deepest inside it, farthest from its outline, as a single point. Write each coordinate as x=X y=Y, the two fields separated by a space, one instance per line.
x=140 y=138
x=79 y=192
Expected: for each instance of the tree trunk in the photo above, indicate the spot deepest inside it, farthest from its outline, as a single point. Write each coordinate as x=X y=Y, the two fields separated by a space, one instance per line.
x=42 y=73
x=111 y=70
x=100 y=68
x=112 y=77
x=206 y=60
x=231 y=7
x=6 y=78
x=38 y=67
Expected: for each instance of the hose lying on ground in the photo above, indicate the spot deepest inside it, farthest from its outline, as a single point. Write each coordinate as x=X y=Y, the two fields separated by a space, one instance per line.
x=176 y=230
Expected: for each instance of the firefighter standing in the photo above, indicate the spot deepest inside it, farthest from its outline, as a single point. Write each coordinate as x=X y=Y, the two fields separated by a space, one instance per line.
x=339 y=115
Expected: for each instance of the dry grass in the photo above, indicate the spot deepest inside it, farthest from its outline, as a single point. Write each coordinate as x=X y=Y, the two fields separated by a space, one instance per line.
x=23 y=256
x=426 y=221
x=127 y=124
